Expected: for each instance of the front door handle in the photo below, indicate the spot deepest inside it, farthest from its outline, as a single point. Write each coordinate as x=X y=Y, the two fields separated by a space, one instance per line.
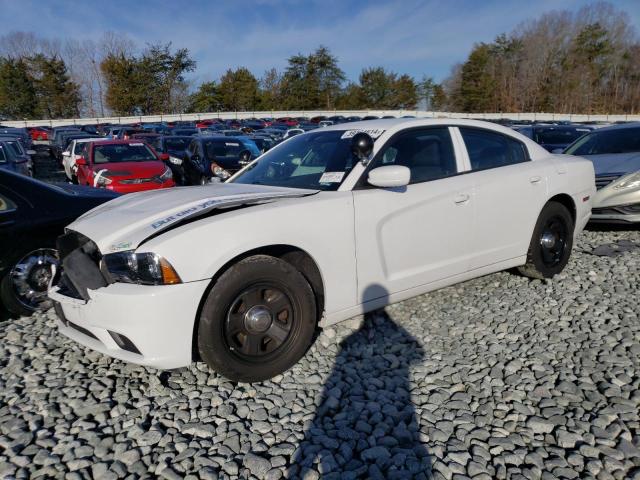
x=535 y=179
x=461 y=198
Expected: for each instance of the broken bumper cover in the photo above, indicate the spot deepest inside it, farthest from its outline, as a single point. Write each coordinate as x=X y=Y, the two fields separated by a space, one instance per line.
x=617 y=214
x=146 y=325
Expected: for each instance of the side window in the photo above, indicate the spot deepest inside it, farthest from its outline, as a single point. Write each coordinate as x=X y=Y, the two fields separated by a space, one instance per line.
x=491 y=150
x=193 y=148
x=428 y=153
x=3 y=156
x=6 y=204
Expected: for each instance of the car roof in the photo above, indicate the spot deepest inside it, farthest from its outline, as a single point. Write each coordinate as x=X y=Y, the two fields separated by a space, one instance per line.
x=621 y=126
x=90 y=139
x=393 y=125
x=120 y=142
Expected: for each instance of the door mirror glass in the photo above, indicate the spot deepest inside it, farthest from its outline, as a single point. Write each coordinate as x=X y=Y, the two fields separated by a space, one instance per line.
x=390 y=176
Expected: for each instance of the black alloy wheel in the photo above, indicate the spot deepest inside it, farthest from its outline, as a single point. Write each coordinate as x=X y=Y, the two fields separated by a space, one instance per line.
x=553 y=241
x=259 y=322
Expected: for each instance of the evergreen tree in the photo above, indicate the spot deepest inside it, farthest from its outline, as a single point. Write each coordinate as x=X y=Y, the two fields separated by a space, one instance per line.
x=205 y=99
x=58 y=96
x=17 y=93
x=239 y=90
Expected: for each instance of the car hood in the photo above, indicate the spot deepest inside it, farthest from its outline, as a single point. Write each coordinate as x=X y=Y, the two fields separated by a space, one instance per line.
x=124 y=223
x=131 y=169
x=615 y=162
x=85 y=191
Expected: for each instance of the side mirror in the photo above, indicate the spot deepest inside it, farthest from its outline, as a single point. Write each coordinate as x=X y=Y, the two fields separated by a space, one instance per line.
x=362 y=146
x=557 y=150
x=164 y=157
x=31 y=152
x=390 y=176
x=66 y=153
x=81 y=161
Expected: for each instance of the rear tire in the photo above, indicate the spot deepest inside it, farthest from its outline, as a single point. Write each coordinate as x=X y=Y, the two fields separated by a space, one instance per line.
x=551 y=243
x=258 y=320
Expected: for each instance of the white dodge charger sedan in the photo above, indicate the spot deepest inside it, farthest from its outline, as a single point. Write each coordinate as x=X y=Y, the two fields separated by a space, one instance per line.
x=329 y=224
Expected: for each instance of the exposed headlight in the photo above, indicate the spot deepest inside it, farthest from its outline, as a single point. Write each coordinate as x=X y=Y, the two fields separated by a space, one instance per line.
x=141 y=268
x=220 y=172
x=166 y=175
x=103 y=180
x=628 y=181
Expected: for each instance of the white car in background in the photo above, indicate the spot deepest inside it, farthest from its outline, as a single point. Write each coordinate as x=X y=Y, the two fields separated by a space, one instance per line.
x=73 y=151
x=325 y=226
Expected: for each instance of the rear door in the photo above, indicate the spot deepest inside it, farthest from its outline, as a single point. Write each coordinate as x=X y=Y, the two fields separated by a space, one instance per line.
x=510 y=191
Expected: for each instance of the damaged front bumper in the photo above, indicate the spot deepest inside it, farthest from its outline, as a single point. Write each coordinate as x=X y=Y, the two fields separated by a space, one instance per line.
x=143 y=324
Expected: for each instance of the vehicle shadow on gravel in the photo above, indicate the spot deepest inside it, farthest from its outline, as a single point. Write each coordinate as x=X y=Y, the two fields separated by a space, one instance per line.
x=366 y=425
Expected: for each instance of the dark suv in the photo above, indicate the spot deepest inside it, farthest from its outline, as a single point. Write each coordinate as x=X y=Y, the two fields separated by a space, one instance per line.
x=214 y=156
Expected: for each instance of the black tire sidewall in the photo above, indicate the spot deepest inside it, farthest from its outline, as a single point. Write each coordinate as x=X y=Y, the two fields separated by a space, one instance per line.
x=259 y=269
x=551 y=209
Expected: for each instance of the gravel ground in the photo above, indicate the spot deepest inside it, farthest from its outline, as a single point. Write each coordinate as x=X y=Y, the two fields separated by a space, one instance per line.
x=498 y=377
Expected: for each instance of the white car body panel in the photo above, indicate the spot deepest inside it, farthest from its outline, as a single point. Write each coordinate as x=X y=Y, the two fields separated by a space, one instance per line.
x=372 y=246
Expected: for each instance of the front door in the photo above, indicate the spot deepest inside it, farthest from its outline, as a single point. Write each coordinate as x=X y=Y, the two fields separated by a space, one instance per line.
x=412 y=236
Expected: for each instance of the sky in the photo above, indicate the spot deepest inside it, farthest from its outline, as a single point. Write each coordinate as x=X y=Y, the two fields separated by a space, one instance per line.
x=418 y=37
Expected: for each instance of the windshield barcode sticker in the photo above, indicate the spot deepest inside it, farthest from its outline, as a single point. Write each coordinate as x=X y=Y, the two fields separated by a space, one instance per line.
x=331 y=177
x=372 y=132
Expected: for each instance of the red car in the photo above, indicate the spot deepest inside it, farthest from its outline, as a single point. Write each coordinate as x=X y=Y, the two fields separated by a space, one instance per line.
x=124 y=166
x=291 y=122
x=39 y=133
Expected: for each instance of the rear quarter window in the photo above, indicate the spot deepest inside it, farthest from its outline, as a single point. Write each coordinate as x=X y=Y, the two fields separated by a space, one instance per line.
x=489 y=149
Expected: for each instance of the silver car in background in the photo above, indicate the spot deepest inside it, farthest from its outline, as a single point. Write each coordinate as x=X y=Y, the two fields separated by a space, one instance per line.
x=615 y=153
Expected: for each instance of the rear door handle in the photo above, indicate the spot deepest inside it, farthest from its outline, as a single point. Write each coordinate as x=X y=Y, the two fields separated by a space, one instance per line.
x=461 y=198
x=535 y=179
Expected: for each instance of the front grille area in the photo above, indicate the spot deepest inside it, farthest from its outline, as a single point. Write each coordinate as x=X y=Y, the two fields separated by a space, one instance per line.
x=80 y=260
x=605 y=179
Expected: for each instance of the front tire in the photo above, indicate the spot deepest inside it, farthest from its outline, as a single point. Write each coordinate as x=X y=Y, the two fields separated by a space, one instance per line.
x=258 y=320
x=551 y=243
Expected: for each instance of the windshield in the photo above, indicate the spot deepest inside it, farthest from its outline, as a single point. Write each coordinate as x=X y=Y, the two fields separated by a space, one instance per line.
x=318 y=161
x=221 y=148
x=132 y=152
x=176 y=144
x=623 y=140
x=16 y=147
x=251 y=146
x=559 y=136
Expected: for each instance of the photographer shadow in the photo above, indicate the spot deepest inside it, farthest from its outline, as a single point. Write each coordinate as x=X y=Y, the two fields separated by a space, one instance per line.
x=366 y=424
